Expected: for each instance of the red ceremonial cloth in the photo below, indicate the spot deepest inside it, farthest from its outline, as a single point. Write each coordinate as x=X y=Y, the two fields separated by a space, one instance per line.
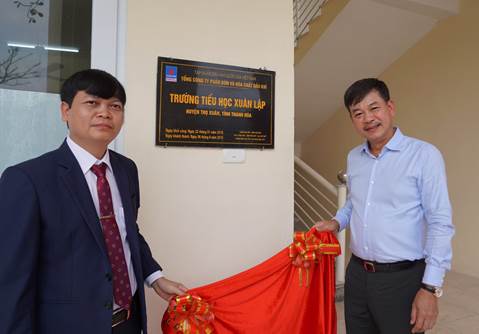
x=271 y=297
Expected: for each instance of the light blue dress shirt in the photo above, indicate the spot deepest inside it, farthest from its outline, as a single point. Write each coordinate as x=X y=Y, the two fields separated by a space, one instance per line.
x=398 y=205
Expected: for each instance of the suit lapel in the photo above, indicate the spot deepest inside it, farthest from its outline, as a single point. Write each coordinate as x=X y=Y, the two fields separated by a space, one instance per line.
x=77 y=186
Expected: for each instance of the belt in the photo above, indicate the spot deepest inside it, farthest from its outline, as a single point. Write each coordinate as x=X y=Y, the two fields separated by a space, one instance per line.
x=373 y=267
x=120 y=316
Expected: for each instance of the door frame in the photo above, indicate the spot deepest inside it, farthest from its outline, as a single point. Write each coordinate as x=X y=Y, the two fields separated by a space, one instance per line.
x=108 y=44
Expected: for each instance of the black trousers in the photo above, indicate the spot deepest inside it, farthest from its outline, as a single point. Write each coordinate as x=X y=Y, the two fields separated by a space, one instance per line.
x=380 y=302
x=132 y=325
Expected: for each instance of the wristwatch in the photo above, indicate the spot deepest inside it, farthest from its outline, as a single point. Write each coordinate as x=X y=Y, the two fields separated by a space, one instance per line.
x=435 y=290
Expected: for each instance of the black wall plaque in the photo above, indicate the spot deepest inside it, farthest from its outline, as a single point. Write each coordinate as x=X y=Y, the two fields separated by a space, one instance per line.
x=213 y=105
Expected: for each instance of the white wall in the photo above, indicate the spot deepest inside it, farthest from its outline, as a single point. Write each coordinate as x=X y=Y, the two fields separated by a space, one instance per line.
x=206 y=220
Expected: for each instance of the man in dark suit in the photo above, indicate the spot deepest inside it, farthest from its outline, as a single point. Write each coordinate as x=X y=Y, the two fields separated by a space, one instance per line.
x=73 y=260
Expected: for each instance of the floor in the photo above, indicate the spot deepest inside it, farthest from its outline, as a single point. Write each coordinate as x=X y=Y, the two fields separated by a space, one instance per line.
x=458 y=307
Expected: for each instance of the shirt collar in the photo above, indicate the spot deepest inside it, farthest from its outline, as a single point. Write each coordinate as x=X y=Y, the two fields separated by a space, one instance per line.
x=394 y=144
x=85 y=158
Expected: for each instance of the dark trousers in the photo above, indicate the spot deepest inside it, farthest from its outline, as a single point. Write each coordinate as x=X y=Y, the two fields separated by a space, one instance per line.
x=132 y=325
x=380 y=302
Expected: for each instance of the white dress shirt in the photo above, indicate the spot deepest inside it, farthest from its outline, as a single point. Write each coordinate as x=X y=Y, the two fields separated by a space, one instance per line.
x=398 y=205
x=86 y=160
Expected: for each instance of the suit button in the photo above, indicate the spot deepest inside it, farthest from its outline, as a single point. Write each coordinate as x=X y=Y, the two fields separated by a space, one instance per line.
x=108 y=305
x=108 y=277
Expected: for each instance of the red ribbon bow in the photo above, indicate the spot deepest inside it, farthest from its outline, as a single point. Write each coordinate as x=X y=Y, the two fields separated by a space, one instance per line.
x=306 y=250
x=190 y=315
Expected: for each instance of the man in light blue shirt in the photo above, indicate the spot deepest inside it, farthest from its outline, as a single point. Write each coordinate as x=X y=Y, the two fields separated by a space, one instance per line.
x=399 y=215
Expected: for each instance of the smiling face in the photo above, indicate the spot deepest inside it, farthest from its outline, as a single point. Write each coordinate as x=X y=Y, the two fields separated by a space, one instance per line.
x=93 y=121
x=372 y=118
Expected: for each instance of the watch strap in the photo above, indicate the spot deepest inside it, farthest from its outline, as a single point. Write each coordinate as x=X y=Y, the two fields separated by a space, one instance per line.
x=436 y=291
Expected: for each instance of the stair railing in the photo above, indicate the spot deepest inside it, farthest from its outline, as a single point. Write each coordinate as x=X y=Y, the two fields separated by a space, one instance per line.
x=315 y=199
x=304 y=11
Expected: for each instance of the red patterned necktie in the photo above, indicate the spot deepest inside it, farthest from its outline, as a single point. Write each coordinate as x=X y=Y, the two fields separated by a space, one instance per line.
x=121 y=281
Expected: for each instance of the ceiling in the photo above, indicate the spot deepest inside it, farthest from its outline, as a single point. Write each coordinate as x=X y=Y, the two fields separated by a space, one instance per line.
x=364 y=39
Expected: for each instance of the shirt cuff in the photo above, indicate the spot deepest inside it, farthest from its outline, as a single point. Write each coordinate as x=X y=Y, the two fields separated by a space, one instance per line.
x=341 y=221
x=153 y=277
x=433 y=275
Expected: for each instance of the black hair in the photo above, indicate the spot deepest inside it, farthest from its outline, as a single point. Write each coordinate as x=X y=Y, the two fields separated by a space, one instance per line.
x=358 y=90
x=94 y=82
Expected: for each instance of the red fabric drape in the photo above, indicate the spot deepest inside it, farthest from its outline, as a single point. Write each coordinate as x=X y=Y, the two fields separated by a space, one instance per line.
x=272 y=297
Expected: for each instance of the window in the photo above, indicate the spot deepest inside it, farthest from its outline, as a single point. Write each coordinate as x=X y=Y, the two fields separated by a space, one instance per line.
x=42 y=42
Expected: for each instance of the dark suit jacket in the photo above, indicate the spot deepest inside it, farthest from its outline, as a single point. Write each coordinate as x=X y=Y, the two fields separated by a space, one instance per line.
x=55 y=276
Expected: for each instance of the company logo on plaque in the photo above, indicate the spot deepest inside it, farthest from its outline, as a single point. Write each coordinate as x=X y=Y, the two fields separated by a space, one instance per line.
x=171 y=73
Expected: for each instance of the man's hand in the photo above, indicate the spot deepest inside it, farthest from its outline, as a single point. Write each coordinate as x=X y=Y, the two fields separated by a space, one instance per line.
x=327 y=226
x=166 y=289
x=424 y=311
